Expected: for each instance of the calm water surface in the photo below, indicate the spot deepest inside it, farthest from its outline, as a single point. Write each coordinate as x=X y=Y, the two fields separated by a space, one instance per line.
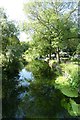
x=24 y=81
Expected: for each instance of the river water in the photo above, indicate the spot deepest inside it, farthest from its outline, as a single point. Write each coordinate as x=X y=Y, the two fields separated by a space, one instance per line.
x=25 y=77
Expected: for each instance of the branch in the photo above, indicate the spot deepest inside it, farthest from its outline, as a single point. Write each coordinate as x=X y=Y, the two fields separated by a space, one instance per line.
x=70 y=15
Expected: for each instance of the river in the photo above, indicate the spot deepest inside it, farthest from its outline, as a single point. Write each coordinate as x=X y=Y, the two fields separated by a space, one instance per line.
x=25 y=77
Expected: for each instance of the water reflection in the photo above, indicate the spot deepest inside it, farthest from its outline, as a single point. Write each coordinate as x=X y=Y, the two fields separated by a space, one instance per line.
x=37 y=94
x=24 y=74
x=42 y=100
x=25 y=77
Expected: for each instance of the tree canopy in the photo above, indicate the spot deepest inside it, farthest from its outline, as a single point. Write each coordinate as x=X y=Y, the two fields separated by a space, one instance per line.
x=53 y=26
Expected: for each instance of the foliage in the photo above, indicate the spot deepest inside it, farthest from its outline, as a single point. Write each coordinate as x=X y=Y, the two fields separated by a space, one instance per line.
x=72 y=107
x=78 y=49
x=53 y=29
x=11 y=56
x=63 y=81
x=42 y=95
x=68 y=83
x=41 y=69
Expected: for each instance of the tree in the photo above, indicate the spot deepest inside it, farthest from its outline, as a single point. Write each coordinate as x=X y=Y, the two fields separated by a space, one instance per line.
x=11 y=56
x=53 y=28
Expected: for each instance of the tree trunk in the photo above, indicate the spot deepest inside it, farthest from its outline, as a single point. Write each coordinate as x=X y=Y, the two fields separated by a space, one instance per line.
x=58 y=55
x=50 y=50
x=50 y=55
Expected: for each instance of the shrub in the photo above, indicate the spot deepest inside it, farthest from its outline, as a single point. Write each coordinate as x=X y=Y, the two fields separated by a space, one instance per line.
x=68 y=83
x=40 y=69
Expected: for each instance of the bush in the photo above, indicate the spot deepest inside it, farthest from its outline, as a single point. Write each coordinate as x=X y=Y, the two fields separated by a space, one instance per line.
x=40 y=69
x=72 y=70
x=68 y=83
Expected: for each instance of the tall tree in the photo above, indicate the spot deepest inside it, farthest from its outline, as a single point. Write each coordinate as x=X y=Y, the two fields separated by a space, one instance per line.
x=11 y=56
x=52 y=25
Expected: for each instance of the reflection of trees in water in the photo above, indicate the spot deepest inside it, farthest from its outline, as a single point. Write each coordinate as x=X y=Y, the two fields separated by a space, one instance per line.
x=43 y=100
x=40 y=98
x=9 y=91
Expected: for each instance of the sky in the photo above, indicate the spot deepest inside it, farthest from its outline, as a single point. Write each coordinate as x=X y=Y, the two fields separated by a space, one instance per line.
x=14 y=10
